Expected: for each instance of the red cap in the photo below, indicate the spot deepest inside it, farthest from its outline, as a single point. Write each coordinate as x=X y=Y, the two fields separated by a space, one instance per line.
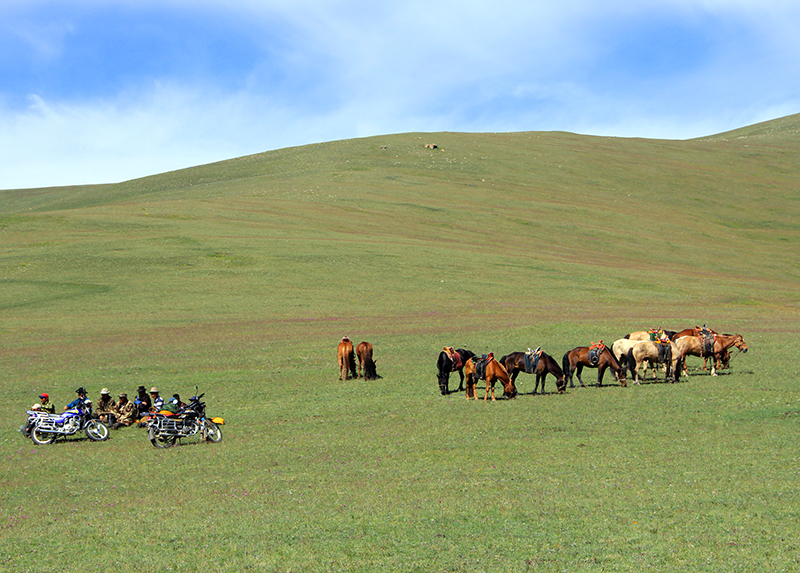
x=43 y=395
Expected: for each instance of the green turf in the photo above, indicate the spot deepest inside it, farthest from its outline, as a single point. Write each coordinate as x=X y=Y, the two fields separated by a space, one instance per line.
x=239 y=278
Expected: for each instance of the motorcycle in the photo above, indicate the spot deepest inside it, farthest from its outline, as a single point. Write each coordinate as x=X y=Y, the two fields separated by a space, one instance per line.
x=45 y=428
x=163 y=431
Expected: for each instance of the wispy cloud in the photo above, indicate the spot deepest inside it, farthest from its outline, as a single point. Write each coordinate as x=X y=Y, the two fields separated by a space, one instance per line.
x=107 y=91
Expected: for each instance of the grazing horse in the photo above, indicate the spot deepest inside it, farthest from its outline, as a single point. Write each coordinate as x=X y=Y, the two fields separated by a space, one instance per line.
x=347 y=361
x=646 y=350
x=494 y=372
x=574 y=360
x=693 y=345
x=515 y=363
x=451 y=361
x=364 y=354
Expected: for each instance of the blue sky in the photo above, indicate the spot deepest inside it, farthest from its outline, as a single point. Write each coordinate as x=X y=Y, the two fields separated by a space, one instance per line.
x=102 y=91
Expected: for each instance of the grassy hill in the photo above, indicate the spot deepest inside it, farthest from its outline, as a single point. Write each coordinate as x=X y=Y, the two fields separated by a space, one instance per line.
x=240 y=277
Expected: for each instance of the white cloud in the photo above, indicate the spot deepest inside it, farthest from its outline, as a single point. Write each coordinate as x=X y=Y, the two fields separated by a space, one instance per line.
x=351 y=68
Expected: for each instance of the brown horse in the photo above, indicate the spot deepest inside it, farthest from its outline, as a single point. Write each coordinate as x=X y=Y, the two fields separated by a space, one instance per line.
x=494 y=372
x=515 y=363
x=364 y=354
x=347 y=360
x=574 y=360
x=693 y=345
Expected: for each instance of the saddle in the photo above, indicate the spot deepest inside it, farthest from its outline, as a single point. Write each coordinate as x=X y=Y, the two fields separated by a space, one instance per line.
x=454 y=357
x=707 y=339
x=480 y=363
x=664 y=351
x=595 y=350
x=532 y=360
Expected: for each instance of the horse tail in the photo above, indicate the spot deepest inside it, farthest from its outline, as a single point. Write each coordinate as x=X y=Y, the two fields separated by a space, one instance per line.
x=631 y=363
x=565 y=365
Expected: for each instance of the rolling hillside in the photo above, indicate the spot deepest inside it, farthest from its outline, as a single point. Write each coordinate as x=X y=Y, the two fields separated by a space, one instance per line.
x=237 y=279
x=524 y=226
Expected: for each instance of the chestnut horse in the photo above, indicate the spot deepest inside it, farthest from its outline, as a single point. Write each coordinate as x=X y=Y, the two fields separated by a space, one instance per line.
x=515 y=363
x=494 y=372
x=364 y=354
x=574 y=360
x=451 y=360
x=347 y=361
x=693 y=345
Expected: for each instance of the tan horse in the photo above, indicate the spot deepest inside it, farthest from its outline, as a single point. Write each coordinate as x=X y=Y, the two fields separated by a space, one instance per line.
x=645 y=350
x=693 y=346
x=494 y=372
x=347 y=360
x=620 y=351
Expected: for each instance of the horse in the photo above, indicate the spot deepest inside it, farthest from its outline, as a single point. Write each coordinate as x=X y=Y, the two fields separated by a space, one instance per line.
x=347 y=361
x=693 y=345
x=620 y=351
x=494 y=372
x=515 y=363
x=364 y=354
x=649 y=350
x=574 y=360
x=451 y=361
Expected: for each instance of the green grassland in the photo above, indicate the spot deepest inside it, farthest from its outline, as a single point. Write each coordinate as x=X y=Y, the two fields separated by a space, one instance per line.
x=239 y=278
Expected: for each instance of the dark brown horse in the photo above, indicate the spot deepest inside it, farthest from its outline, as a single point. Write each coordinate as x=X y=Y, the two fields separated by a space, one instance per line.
x=574 y=361
x=516 y=363
x=451 y=360
x=494 y=372
x=364 y=354
x=347 y=361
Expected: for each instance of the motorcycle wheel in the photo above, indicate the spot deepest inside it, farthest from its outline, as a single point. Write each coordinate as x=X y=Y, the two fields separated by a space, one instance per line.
x=213 y=433
x=97 y=431
x=42 y=438
x=162 y=440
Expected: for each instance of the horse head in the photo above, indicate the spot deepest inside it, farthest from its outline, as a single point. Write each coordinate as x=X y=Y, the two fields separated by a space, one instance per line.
x=739 y=343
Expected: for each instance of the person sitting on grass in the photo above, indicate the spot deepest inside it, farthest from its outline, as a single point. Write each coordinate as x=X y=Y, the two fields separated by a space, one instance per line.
x=106 y=407
x=142 y=402
x=158 y=401
x=125 y=412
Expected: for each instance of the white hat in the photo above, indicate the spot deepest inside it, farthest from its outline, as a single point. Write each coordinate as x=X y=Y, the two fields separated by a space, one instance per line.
x=105 y=391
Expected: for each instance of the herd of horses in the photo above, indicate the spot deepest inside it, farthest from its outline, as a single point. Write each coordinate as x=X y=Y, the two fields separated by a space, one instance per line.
x=637 y=350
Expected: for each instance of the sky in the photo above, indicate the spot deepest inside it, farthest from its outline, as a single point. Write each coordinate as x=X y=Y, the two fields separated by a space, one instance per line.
x=104 y=91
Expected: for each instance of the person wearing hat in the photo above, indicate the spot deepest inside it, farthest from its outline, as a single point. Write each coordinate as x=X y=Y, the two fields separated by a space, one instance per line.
x=78 y=402
x=158 y=401
x=125 y=412
x=142 y=402
x=106 y=407
x=46 y=405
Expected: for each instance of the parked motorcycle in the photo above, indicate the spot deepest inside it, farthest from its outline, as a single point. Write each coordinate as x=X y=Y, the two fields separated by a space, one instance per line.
x=191 y=420
x=45 y=428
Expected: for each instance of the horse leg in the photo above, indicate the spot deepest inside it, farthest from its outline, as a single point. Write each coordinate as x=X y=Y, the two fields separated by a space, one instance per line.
x=443 y=386
x=578 y=370
x=461 y=381
x=600 y=371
